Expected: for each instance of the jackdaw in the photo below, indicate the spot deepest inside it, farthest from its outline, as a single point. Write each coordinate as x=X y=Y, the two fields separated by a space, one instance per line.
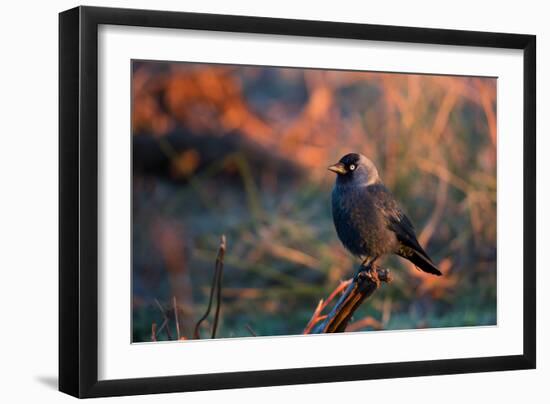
x=368 y=220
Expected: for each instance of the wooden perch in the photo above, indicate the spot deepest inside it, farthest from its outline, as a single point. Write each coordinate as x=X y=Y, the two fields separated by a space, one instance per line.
x=364 y=284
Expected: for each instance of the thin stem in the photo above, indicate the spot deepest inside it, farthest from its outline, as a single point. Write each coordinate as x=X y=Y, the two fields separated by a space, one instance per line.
x=166 y=320
x=216 y=284
x=219 y=270
x=175 y=304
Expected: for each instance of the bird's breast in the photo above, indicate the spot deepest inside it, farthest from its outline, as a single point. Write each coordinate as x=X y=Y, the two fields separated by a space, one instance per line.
x=349 y=220
x=359 y=225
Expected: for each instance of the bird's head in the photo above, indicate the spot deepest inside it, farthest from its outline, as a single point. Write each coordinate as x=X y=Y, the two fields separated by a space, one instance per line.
x=355 y=168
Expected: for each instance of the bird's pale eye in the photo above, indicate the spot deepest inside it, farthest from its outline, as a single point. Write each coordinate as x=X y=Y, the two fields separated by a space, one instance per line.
x=352 y=167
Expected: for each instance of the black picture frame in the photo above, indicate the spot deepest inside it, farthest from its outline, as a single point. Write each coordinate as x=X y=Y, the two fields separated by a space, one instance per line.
x=78 y=200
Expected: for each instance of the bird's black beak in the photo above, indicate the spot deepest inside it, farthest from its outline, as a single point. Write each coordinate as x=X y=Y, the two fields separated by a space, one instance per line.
x=338 y=168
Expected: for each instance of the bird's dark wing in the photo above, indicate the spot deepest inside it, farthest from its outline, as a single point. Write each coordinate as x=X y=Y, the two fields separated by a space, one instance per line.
x=400 y=224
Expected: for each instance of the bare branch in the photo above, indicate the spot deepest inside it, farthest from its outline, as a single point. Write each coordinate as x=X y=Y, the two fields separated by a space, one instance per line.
x=219 y=271
x=363 y=285
x=216 y=287
x=316 y=317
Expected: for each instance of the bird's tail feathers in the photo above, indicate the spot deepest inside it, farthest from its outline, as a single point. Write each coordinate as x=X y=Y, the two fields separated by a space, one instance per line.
x=422 y=262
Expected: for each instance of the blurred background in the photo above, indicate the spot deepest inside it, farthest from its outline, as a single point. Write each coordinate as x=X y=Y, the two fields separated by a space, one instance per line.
x=243 y=151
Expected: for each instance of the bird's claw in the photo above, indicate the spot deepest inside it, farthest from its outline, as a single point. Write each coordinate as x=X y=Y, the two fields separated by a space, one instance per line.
x=374 y=277
x=359 y=275
x=367 y=272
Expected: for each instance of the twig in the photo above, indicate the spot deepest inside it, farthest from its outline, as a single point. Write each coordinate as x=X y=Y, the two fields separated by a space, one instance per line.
x=250 y=330
x=219 y=270
x=154 y=332
x=316 y=317
x=175 y=304
x=164 y=323
x=363 y=285
x=314 y=321
x=166 y=320
x=216 y=285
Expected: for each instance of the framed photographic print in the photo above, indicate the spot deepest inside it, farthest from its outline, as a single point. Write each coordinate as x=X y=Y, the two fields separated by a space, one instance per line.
x=251 y=201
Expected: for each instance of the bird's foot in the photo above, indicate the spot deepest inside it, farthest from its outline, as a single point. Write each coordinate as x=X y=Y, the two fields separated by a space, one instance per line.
x=367 y=272
x=359 y=275
x=368 y=263
x=373 y=275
